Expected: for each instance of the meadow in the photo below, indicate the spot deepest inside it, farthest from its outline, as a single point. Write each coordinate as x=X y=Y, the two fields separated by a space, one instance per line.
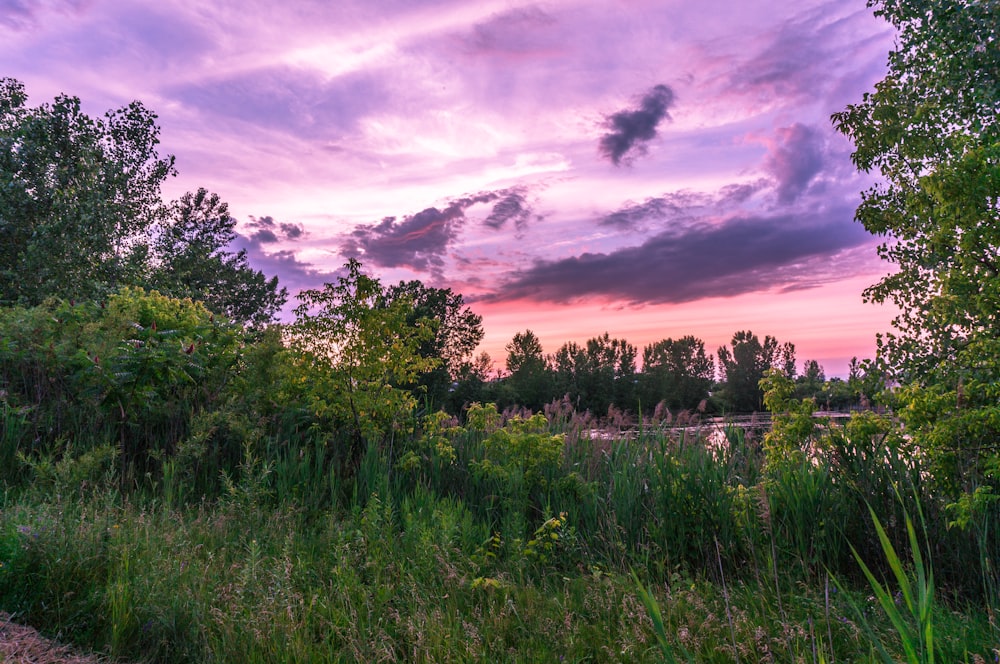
x=508 y=537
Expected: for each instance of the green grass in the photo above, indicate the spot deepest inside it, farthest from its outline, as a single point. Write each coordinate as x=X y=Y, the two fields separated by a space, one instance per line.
x=624 y=550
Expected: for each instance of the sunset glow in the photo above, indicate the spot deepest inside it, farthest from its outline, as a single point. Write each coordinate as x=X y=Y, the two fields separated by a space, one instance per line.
x=649 y=169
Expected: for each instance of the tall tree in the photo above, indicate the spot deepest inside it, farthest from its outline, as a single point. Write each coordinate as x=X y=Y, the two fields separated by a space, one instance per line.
x=77 y=195
x=677 y=372
x=812 y=381
x=529 y=376
x=459 y=330
x=365 y=349
x=190 y=259
x=744 y=365
x=597 y=374
x=931 y=130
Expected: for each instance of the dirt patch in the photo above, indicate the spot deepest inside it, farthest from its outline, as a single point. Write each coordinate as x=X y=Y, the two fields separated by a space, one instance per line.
x=24 y=645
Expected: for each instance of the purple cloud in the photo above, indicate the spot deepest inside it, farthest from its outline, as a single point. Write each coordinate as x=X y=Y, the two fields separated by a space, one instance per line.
x=420 y=241
x=513 y=206
x=25 y=14
x=680 y=206
x=520 y=31
x=17 y=14
x=742 y=254
x=267 y=230
x=290 y=100
x=795 y=158
x=631 y=130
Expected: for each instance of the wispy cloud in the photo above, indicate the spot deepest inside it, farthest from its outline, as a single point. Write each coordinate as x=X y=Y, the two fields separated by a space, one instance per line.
x=26 y=14
x=680 y=206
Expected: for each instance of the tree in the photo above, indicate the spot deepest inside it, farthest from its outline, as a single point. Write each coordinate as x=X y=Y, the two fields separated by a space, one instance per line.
x=77 y=195
x=189 y=259
x=744 y=366
x=362 y=348
x=596 y=375
x=931 y=129
x=458 y=332
x=472 y=384
x=530 y=379
x=812 y=381
x=676 y=372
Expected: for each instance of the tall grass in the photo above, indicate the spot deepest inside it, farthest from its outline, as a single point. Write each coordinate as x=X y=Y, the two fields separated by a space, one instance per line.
x=504 y=539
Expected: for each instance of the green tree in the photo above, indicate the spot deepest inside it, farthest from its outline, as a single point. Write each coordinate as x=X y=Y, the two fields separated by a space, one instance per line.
x=743 y=366
x=812 y=381
x=190 y=259
x=931 y=130
x=77 y=196
x=676 y=372
x=459 y=330
x=361 y=348
x=529 y=379
x=597 y=374
x=472 y=384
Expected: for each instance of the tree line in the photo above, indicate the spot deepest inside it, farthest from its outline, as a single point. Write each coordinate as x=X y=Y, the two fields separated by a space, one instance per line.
x=602 y=376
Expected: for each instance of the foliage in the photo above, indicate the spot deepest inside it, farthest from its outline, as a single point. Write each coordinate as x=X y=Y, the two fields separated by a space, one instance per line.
x=930 y=130
x=912 y=611
x=77 y=195
x=362 y=348
x=458 y=331
x=529 y=379
x=676 y=372
x=189 y=259
x=597 y=375
x=744 y=365
x=396 y=575
x=81 y=214
x=137 y=369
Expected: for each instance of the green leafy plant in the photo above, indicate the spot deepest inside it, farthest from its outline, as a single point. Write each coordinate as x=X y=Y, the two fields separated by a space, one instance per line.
x=912 y=615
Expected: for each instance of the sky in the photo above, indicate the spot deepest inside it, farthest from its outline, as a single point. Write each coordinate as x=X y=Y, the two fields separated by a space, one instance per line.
x=646 y=168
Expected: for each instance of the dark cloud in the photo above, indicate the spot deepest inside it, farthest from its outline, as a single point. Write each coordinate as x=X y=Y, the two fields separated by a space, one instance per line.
x=794 y=159
x=631 y=130
x=292 y=231
x=634 y=215
x=267 y=230
x=420 y=241
x=513 y=206
x=687 y=262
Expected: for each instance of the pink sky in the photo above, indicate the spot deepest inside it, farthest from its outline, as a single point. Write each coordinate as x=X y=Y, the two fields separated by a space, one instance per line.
x=649 y=168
